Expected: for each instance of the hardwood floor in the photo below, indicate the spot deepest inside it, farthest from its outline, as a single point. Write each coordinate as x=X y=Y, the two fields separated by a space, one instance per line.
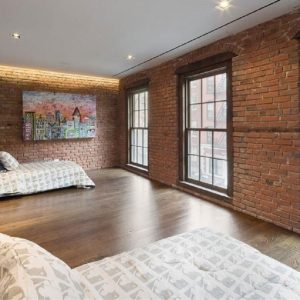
x=125 y=211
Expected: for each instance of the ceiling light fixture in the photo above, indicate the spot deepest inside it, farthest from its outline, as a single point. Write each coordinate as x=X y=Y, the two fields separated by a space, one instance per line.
x=130 y=57
x=16 y=35
x=223 y=5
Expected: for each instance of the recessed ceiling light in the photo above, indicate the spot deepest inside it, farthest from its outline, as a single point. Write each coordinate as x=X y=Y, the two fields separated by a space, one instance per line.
x=223 y=5
x=16 y=35
x=130 y=57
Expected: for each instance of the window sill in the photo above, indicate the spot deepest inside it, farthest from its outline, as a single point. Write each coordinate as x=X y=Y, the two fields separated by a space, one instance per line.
x=205 y=191
x=137 y=170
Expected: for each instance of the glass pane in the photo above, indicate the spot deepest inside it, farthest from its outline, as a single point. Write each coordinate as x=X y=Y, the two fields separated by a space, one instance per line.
x=135 y=102
x=133 y=137
x=221 y=114
x=220 y=173
x=145 y=163
x=206 y=170
x=208 y=89
x=142 y=101
x=146 y=118
x=133 y=154
x=195 y=116
x=146 y=100
x=145 y=138
x=206 y=143
x=140 y=155
x=208 y=115
x=221 y=87
x=193 y=167
x=140 y=137
x=142 y=118
x=193 y=142
x=135 y=119
x=195 y=91
x=220 y=145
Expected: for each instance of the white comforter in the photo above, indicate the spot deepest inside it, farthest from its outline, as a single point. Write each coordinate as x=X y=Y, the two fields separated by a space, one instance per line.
x=195 y=265
x=36 y=177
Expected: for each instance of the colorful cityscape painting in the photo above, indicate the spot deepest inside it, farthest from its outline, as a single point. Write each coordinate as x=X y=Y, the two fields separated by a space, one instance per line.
x=52 y=116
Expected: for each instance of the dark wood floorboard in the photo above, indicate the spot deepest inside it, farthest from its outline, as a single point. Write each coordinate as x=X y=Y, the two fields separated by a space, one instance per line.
x=125 y=211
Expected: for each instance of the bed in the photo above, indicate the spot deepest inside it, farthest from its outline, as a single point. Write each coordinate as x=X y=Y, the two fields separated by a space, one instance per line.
x=29 y=178
x=200 y=264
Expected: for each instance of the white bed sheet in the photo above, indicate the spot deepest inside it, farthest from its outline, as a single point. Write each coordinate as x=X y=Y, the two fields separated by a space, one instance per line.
x=196 y=265
x=35 y=177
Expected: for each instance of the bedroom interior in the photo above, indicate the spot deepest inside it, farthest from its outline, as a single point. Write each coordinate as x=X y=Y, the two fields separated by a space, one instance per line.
x=138 y=165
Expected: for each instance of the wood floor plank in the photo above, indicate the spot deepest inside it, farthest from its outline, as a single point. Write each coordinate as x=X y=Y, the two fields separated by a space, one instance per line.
x=125 y=211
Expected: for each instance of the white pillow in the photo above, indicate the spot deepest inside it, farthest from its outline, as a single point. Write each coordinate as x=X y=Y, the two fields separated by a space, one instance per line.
x=8 y=161
x=27 y=271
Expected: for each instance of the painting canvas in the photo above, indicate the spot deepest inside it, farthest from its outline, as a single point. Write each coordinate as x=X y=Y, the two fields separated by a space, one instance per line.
x=51 y=116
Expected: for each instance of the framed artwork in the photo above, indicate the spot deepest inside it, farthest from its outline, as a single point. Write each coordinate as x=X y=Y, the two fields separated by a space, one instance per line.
x=52 y=116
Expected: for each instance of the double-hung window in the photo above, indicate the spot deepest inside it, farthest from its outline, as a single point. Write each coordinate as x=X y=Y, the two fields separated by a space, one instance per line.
x=138 y=128
x=206 y=133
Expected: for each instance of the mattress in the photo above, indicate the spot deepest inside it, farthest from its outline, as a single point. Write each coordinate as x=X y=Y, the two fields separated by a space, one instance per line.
x=196 y=265
x=36 y=177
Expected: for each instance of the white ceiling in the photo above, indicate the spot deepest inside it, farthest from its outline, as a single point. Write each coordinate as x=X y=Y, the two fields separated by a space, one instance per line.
x=94 y=37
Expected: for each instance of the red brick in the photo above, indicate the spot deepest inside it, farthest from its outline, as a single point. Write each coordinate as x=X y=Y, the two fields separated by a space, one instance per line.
x=265 y=103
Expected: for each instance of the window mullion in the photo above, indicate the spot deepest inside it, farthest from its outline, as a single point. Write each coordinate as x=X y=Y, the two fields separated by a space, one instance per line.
x=131 y=125
x=199 y=136
x=213 y=155
x=201 y=96
x=142 y=146
x=139 y=121
x=215 y=112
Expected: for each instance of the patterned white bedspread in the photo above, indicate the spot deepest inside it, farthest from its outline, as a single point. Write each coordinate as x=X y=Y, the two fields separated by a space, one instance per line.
x=197 y=265
x=36 y=177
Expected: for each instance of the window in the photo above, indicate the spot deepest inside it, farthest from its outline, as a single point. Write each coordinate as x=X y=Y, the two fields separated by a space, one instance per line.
x=138 y=128
x=206 y=133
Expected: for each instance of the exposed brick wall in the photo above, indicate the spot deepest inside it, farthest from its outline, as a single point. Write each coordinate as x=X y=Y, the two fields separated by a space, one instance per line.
x=266 y=119
x=94 y=153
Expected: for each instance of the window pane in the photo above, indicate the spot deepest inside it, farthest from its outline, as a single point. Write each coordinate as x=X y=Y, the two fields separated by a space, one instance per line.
x=142 y=101
x=133 y=154
x=193 y=167
x=136 y=102
x=220 y=173
x=206 y=143
x=145 y=150
x=140 y=137
x=146 y=118
x=208 y=89
x=221 y=87
x=145 y=138
x=140 y=155
x=195 y=91
x=133 y=137
x=221 y=114
x=195 y=116
x=193 y=142
x=208 y=115
x=206 y=170
x=135 y=119
x=142 y=118
x=220 y=145
x=146 y=100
